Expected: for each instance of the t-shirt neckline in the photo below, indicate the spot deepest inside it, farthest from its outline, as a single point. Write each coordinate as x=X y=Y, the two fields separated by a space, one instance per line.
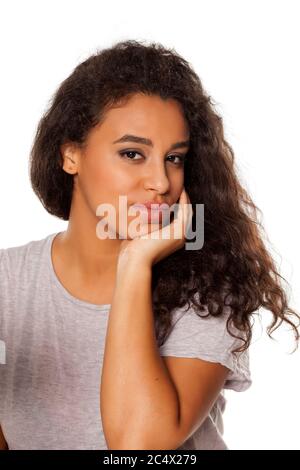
x=59 y=285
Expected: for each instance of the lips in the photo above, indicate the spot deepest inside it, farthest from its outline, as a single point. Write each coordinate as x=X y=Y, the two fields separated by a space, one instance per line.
x=152 y=211
x=154 y=206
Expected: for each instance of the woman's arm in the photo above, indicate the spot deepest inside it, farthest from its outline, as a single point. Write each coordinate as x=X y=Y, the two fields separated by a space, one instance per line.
x=147 y=402
x=137 y=394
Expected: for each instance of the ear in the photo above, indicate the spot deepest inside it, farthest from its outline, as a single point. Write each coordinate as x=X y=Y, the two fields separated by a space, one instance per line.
x=70 y=158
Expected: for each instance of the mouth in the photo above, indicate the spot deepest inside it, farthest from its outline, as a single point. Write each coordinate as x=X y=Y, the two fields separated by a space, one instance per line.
x=153 y=212
x=154 y=206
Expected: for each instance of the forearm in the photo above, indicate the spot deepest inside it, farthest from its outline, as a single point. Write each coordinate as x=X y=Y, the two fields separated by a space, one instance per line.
x=137 y=396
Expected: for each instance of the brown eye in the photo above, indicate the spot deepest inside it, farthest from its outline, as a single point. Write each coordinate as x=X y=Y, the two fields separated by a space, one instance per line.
x=127 y=152
x=181 y=159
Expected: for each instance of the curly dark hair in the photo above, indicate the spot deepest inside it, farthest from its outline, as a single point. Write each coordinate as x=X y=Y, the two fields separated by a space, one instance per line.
x=233 y=268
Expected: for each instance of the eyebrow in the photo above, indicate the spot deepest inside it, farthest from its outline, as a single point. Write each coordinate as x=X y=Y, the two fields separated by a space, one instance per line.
x=145 y=141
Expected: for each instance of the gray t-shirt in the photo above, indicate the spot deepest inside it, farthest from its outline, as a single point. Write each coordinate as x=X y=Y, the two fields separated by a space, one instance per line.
x=51 y=352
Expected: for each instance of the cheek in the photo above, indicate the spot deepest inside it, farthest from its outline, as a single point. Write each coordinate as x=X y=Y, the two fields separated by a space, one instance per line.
x=102 y=181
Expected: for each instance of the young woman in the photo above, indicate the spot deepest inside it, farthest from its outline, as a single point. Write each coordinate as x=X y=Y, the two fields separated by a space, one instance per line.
x=128 y=342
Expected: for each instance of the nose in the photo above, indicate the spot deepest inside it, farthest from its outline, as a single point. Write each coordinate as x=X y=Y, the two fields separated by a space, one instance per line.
x=156 y=178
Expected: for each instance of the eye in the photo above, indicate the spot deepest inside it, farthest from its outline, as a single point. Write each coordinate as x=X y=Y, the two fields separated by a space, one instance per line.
x=125 y=153
x=181 y=159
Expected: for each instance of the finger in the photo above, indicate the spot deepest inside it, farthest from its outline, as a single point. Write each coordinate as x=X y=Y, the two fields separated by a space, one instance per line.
x=179 y=222
x=183 y=202
x=187 y=211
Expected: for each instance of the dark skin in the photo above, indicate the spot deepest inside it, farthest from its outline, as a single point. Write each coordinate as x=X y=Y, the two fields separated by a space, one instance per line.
x=82 y=261
x=170 y=394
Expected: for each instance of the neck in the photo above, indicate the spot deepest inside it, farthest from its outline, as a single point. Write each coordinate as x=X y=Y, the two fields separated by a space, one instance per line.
x=85 y=253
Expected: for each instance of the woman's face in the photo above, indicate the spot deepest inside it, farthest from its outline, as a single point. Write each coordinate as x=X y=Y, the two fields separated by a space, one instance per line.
x=149 y=171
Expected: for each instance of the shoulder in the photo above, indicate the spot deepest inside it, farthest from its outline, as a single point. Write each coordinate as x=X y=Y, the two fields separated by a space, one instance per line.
x=22 y=267
x=191 y=323
x=194 y=334
x=14 y=258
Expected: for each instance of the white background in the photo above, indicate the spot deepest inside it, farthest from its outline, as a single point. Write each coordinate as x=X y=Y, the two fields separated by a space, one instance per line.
x=247 y=56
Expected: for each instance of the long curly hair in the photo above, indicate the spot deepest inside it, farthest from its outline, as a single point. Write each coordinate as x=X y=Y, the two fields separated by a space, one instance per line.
x=233 y=268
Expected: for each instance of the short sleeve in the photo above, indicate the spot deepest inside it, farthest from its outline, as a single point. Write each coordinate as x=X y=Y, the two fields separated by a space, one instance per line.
x=207 y=338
